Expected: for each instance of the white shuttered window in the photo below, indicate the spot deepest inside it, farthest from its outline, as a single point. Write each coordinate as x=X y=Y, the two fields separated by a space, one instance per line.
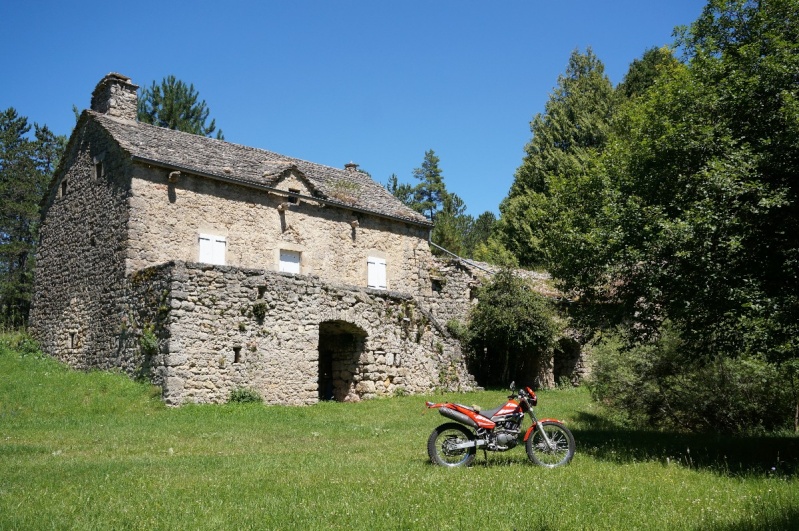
x=212 y=249
x=289 y=261
x=376 y=272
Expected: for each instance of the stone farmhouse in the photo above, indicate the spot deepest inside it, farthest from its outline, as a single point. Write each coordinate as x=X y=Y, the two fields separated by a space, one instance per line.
x=207 y=267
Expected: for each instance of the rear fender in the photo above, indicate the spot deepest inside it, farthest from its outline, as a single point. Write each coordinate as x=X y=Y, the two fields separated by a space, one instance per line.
x=531 y=428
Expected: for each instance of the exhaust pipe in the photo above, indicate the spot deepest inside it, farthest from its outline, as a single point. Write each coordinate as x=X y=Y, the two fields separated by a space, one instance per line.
x=457 y=416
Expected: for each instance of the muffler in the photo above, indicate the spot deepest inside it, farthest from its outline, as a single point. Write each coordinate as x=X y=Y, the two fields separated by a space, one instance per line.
x=457 y=416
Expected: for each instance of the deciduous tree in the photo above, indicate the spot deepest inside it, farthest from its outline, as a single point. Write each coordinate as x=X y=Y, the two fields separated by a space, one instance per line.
x=566 y=138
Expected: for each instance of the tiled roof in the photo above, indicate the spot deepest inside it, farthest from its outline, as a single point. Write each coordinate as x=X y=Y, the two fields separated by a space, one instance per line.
x=234 y=162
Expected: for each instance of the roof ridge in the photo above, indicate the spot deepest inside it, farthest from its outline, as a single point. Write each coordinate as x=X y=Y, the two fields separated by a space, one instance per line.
x=223 y=159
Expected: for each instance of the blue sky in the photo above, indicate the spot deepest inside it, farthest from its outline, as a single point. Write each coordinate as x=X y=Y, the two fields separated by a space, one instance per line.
x=377 y=83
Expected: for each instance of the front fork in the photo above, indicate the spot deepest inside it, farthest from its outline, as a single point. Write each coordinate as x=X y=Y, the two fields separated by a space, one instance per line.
x=540 y=427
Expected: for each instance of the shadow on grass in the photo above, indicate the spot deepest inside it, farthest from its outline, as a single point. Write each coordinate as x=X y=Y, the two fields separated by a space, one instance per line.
x=787 y=520
x=766 y=455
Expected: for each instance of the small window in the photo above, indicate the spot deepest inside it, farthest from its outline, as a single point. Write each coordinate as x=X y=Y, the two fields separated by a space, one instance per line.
x=212 y=249
x=294 y=200
x=63 y=188
x=376 y=272
x=98 y=169
x=289 y=261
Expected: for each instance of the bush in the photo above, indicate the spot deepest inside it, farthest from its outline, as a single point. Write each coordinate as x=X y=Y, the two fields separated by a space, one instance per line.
x=658 y=385
x=244 y=395
x=511 y=332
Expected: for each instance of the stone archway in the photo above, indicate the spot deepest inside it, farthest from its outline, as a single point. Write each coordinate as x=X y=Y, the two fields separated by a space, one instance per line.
x=341 y=345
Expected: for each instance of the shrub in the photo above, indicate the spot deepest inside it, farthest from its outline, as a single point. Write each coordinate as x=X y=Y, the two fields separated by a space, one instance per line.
x=244 y=395
x=259 y=311
x=148 y=341
x=659 y=385
x=511 y=332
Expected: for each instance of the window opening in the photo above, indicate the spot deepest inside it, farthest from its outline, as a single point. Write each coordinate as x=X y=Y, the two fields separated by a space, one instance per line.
x=294 y=200
x=289 y=261
x=236 y=354
x=212 y=249
x=376 y=272
x=63 y=188
x=98 y=169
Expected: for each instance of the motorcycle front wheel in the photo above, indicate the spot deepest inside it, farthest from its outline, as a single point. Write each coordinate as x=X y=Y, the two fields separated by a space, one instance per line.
x=559 y=453
x=440 y=445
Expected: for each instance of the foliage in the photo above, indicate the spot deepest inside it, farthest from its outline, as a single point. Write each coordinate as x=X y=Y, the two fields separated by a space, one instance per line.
x=175 y=105
x=566 y=137
x=644 y=72
x=148 y=341
x=259 y=310
x=697 y=219
x=676 y=199
x=429 y=195
x=478 y=232
x=660 y=384
x=492 y=251
x=402 y=191
x=26 y=168
x=244 y=395
x=452 y=224
x=454 y=229
x=511 y=332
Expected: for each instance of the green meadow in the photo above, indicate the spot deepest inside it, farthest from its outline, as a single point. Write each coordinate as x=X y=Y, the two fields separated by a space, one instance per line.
x=99 y=451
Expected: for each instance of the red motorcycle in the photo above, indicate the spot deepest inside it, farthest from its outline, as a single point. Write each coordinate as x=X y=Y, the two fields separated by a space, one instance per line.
x=548 y=442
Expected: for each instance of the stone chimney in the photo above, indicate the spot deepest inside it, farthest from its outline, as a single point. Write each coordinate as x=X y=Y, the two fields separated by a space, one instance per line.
x=350 y=166
x=116 y=96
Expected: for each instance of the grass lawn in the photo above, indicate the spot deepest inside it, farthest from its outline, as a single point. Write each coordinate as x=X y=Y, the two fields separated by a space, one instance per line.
x=98 y=451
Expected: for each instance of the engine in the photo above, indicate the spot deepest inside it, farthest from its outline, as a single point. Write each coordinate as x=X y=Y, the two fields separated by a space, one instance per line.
x=506 y=434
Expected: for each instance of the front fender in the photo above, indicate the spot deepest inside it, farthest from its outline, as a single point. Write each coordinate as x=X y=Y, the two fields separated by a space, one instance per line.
x=531 y=428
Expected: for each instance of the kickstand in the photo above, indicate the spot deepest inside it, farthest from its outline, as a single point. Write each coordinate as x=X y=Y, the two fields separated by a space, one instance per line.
x=485 y=456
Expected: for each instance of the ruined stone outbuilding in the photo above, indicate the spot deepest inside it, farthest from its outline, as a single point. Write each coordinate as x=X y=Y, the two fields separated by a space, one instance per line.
x=207 y=266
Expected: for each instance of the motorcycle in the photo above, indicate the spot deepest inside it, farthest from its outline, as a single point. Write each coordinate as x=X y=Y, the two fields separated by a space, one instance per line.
x=548 y=442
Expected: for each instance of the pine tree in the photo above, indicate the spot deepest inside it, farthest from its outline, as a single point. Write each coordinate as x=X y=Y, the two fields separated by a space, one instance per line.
x=26 y=167
x=175 y=105
x=430 y=193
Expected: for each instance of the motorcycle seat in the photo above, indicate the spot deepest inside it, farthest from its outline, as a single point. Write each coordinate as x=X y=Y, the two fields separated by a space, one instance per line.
x=491 y=412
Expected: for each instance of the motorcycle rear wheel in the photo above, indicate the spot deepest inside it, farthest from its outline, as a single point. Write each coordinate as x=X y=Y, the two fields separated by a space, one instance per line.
x=561 y=451
x=442 y=438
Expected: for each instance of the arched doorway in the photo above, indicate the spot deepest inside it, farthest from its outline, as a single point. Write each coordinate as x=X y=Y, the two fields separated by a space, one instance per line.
x=340 y=347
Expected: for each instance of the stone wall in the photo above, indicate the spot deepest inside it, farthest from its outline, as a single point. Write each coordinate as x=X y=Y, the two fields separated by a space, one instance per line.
x=80 y=279
x=168 y=217
x=453 y=290
x=220 y=328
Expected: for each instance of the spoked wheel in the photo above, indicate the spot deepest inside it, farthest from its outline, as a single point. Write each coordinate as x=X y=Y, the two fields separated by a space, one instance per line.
x=442 y=446
x=560 y=452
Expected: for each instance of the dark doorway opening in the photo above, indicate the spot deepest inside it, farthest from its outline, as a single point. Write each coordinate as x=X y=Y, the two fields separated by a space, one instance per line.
x=567 y=358
x=340 y=347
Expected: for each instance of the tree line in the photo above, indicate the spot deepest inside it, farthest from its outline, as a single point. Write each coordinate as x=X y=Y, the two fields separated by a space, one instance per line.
x=666 y=208
x=453 y=229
